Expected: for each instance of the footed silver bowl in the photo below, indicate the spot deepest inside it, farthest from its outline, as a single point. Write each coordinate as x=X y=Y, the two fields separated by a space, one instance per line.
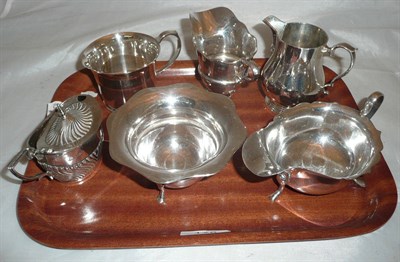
x=175 y=135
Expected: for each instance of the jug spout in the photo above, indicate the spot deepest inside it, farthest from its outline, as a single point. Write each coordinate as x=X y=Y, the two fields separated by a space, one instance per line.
x=217 y=30
x=208 y=23
x=277 y=26
x=196 y=24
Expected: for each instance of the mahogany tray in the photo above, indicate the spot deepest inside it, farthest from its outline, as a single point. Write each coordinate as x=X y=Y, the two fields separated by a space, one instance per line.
x=117 y=208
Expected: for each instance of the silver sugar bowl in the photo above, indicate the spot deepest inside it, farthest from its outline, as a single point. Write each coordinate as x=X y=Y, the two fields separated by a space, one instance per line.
x=67 y=144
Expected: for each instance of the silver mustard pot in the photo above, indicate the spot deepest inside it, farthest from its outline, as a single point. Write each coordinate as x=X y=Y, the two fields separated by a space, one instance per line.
x=68 y=142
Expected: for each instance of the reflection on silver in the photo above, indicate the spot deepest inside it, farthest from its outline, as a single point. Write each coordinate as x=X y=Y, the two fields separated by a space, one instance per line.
x=175 y=135
x=312 y=147
x=176 y=140
x=294 y=73
x=225 y=49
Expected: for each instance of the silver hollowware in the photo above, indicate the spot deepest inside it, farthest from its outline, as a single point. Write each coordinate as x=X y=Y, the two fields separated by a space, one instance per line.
x=175 y=135
x=124 y=63
x=294 y=73
x=315 y=147
x=67 y=144
x=225 y=50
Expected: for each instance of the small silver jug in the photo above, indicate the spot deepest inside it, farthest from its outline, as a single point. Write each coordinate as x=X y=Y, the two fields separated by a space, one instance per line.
x=294 y=73
x=225 y=50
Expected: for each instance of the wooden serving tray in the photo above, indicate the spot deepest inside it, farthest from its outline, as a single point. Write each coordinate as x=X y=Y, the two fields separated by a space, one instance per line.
x=117 y=207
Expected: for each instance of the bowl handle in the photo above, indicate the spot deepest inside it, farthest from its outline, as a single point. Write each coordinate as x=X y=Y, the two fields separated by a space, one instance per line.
x=11 y=166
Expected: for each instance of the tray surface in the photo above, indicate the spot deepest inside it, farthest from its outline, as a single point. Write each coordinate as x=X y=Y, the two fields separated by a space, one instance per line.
x=117 y=207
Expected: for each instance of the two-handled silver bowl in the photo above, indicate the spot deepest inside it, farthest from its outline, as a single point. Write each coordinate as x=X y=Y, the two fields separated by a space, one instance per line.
x=67 y=144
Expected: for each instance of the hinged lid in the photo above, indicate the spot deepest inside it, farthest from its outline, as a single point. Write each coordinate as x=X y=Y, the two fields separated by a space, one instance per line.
x=71 y=125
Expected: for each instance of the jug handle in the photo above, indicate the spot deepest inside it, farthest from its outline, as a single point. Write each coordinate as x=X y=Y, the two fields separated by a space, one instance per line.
x=29 y=154
x=252 y=70
x=277 y=27
x=352 y=52
x=175 y=54
x=372 y=104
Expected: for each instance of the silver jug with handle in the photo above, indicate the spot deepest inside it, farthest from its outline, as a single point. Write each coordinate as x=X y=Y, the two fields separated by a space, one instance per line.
x=225 y=50
x=294 y=73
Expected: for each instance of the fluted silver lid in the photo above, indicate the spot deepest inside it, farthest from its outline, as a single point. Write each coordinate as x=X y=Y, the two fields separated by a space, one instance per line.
x=72 y=124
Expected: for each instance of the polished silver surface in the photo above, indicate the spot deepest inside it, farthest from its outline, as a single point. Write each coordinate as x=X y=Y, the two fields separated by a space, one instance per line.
x=312 y=146
x=175 y=135
x=124 y=63
x=294 y=73
x=67 y=144
x=225 y=50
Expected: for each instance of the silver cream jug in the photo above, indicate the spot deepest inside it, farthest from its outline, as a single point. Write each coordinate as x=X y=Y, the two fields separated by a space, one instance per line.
x=294 y=73
x=225 y=50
